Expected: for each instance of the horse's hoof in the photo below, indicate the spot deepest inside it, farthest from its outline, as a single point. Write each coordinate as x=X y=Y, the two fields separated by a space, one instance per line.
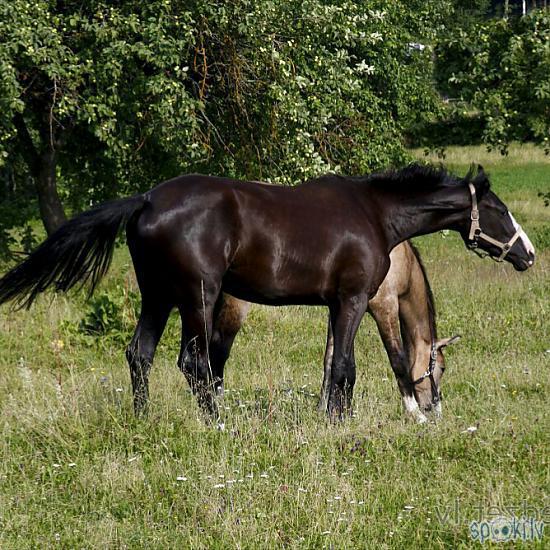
x=322 y=407
x=421 y=418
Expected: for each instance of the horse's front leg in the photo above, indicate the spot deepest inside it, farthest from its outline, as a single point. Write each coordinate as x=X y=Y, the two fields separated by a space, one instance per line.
x=329 y=352
x=346 y=315
x=386 y=315
x=229 y=315
x=194 y=361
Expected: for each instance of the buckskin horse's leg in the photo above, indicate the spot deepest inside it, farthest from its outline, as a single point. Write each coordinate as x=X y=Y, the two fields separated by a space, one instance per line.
x=346 y=315
x=194 y=361
x=229 y=315
x=386 y=315
x=141 y=350
x=329 y=352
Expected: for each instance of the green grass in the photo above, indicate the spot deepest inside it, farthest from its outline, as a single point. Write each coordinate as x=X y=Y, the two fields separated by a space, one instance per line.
x=78 y=471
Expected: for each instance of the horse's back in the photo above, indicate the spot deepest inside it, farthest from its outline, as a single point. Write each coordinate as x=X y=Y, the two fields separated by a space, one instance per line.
x=266 y=243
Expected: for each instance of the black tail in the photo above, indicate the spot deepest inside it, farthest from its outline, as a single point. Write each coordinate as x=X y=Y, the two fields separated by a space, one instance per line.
x=80 y=251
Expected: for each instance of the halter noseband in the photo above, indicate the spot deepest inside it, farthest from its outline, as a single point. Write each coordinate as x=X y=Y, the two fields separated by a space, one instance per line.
x=476 y=233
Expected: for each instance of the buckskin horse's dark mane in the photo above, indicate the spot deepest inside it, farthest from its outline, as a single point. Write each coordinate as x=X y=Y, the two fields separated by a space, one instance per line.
x=429 y=294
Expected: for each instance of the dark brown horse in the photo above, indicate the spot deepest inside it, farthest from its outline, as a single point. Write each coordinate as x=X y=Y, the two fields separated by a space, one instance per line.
x=325 y=242
x=404 y=312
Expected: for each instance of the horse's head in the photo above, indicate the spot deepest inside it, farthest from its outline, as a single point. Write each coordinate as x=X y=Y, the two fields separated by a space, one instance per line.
x=427 y=388
x=492 y=230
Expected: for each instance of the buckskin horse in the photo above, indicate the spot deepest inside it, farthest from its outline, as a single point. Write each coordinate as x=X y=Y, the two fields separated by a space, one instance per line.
x=404 y=311
x=324 y=242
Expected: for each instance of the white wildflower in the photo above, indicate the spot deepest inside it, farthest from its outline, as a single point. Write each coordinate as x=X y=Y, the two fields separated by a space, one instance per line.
x=470 y=429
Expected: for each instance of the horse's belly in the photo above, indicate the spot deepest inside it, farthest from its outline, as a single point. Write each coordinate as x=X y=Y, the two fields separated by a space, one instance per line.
x=253 y=287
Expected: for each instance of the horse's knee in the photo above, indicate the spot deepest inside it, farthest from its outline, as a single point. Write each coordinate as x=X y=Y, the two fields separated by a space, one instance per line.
x=400 y=364
x=219 y=353
x=140 y=367
x=343 y=373
x=341 y=388
x=195 y=367
x=198 y=374
x=131 y=352
x=140 y=350
x=138 y=361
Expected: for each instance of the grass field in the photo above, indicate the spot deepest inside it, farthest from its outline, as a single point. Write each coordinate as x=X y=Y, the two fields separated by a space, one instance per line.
x=78 y=471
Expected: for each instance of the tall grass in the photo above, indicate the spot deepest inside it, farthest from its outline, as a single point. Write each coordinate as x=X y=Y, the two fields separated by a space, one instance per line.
x=77 y=470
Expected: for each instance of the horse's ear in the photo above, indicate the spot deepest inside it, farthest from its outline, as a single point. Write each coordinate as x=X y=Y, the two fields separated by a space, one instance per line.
x=444 y=342
x=480 y=181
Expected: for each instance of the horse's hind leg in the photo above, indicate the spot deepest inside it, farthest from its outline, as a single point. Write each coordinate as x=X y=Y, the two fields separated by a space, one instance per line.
x=329 y=352
x=141 y=349
x=194 y=360
x=229 y=315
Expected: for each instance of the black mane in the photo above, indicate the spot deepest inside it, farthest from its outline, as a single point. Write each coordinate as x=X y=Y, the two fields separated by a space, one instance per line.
x=419 y=176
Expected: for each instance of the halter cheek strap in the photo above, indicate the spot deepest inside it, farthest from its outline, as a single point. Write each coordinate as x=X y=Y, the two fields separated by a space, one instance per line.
x=430 y=374
x=476 y=233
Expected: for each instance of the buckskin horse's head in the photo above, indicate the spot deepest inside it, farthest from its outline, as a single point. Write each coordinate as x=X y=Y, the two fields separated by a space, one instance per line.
x=427 y=388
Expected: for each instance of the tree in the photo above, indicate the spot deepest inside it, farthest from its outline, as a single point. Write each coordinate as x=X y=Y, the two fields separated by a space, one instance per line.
x=83 y=86
x=502 y=68
x=102 y=98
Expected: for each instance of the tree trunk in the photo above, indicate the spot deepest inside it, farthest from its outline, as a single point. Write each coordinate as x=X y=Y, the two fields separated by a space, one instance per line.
x=51 y=209
x=42 y=166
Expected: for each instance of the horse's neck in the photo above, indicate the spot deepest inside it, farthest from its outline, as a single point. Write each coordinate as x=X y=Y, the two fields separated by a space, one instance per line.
x=421 y=213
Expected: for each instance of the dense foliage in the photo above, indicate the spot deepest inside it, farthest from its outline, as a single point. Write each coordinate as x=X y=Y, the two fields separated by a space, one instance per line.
x=109 y=98
x=502 y=68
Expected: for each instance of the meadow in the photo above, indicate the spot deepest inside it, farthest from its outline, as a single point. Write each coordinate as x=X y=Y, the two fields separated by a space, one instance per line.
x=77 y=470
